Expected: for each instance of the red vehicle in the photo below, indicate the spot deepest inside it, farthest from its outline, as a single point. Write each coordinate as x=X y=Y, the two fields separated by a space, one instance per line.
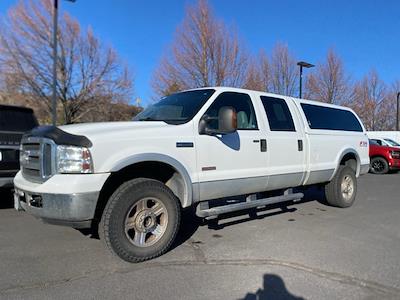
x=383 y=158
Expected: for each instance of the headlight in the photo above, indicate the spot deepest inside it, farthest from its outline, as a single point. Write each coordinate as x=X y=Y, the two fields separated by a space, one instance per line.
x=73 y=159
x=395 y=154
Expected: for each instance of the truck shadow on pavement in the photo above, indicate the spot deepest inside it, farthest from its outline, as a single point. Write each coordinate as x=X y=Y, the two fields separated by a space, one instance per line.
x=190 y=223
x=273 y=288
x=310 y=194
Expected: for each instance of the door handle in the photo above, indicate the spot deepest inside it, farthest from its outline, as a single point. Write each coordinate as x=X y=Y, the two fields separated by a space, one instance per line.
x=300 y=145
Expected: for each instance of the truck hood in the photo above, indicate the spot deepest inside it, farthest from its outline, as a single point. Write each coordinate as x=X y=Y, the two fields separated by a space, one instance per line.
x=94 y=131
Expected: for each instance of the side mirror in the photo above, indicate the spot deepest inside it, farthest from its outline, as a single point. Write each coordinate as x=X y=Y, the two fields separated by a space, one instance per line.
x=226 y=122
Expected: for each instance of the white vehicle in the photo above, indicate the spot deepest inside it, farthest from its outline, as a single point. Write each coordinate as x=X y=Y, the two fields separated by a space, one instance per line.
x=132 y=179
x=393 y=135
x=385 y=142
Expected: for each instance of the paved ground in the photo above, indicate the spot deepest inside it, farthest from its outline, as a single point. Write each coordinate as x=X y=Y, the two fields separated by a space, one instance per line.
x=310 y=251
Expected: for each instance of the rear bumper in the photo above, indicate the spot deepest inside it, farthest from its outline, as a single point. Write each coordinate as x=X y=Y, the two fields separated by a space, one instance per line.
x=69 y=200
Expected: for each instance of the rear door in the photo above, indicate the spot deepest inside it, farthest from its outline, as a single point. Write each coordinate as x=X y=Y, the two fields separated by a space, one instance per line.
x=285 y=143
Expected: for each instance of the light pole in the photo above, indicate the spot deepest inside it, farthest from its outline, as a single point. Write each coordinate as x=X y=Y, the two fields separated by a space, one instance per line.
x=54 y=85
x=302 y=64
x=397 y=112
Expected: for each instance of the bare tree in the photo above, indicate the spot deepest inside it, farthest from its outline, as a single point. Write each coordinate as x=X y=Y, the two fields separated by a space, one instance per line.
x=283 y=70
x=258 y=74
x=389 y=110
x=329 y=82
x=89 y=73
x=110 y=111
x=371 y=101
x=10 y=94
x=204 y=53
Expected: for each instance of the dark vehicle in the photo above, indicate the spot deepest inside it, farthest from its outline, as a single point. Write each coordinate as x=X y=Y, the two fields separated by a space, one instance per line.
x=14 y=121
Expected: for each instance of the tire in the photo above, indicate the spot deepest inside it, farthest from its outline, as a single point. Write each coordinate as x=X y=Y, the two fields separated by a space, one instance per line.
x=342 y=190
x=140 y=220
x=379 y=165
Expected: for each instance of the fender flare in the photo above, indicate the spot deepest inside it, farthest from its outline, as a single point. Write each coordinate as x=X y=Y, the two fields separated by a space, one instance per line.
x=343 y=154
x=162 y=158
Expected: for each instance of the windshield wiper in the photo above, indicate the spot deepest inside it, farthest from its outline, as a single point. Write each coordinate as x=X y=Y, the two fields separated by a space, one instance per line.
x=150 y=119
x=168 y=121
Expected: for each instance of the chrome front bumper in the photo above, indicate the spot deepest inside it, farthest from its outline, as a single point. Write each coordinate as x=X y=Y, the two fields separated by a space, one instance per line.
x=75 y=210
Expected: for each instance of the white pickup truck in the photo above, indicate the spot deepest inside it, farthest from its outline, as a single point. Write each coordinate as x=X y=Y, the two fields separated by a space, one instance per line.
x=132 y=179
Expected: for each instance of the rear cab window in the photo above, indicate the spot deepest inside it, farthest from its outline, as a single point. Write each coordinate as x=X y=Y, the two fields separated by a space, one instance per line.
x=330 y=118
x=278 y=114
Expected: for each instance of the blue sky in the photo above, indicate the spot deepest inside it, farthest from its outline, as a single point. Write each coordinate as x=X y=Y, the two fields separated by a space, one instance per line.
x=364 y=33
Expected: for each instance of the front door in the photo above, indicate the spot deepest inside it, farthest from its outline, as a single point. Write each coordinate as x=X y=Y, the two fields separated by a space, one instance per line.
x=232 y=164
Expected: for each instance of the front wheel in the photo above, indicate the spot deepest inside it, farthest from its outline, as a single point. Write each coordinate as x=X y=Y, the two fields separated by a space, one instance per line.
x=342 y=190
x=141 y=220
x=379 y=165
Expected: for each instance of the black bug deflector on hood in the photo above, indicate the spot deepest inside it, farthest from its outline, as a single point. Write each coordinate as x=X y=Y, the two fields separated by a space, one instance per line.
x=59 y=136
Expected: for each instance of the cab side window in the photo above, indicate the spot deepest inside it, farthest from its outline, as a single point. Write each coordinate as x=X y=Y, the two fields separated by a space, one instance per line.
x=246 y=117
x=379 y=142
x=278 y=114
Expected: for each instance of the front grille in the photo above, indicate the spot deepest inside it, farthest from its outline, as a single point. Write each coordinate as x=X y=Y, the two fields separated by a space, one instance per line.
x=10 y=139
x=37 y=158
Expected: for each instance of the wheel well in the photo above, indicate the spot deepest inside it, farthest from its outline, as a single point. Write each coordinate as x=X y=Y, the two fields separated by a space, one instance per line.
x=350 y=160
x=150 y=169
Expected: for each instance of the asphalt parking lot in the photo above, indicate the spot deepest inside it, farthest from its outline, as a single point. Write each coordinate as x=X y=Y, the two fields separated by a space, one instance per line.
x=307 y=251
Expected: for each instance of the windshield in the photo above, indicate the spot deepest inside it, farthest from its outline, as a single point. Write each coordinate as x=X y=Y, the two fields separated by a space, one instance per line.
x=12 y=119
x=392 y=143
x=177 y=108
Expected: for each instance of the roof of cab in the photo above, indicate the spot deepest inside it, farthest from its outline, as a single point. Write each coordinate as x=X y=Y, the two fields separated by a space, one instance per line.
x=233 y=89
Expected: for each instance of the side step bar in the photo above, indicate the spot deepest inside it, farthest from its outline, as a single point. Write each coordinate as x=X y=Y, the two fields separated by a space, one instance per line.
x=203 y=211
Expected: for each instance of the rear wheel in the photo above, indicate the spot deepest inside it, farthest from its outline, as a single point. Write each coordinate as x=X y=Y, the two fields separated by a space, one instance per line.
x=379 y=165
x=141 y=220
x=342 y=190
